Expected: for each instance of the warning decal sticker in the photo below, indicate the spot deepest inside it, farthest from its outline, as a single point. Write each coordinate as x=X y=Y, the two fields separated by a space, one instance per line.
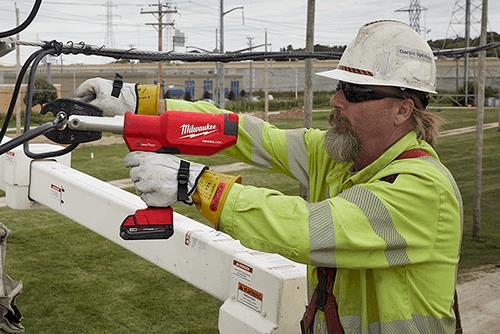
x=242 y=271
x=250 y=297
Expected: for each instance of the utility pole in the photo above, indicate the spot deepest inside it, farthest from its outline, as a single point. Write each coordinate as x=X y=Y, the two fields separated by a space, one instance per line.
x=308 y=73
x=476 y=214
x=18 y=67
x=162 y=10
x=466 y=56
x=308 y=89
x=48 y=63
x=266 y=83
x=250 y=46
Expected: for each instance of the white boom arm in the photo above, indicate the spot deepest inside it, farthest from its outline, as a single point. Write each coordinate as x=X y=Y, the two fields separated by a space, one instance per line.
x=262 y=293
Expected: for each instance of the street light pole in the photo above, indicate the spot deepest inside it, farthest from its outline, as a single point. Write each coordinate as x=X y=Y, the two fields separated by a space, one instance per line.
x=220 y=66
x=466 y=56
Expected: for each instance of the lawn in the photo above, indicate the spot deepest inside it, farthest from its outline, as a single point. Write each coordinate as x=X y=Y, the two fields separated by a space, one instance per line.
x=77 y=282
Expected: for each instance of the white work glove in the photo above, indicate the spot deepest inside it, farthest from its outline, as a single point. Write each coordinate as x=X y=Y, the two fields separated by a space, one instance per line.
x=98 y=92
x=155 y=177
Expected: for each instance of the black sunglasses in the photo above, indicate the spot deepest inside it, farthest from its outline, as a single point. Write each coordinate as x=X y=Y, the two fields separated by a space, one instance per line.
x=359 y=93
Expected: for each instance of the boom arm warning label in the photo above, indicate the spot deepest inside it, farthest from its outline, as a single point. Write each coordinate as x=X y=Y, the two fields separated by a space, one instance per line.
x=242 y=271
x=250 y=297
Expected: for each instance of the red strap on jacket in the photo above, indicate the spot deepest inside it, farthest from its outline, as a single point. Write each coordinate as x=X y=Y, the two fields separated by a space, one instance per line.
x=415 y=153
x=324 y=300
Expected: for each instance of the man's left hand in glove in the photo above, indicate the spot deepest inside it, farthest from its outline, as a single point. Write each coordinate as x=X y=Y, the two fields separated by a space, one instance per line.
x=113 y=100
x=156 y=178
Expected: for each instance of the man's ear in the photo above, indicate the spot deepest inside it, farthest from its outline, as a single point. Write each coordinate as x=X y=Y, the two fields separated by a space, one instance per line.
x=405 y=110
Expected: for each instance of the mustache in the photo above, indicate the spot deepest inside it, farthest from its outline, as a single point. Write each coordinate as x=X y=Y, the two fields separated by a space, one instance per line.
x=335 y=119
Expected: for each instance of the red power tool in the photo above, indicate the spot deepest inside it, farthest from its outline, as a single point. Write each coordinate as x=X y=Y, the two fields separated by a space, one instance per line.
x=172 y=132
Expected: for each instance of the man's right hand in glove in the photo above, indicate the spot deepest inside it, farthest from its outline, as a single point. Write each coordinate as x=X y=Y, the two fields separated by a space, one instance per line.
x=141 y=99
x=156 y=179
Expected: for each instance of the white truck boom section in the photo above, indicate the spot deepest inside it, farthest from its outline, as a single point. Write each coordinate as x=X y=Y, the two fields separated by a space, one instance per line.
x=262 y=293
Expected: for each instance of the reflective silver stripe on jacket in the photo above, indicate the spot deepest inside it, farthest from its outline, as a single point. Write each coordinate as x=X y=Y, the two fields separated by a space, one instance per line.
x=418 y=324
x=253 y=126
x=297 y=156
x=321 y=234
x=381 y=222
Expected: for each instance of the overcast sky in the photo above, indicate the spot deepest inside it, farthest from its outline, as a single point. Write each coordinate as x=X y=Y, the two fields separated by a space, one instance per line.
x=285 y=21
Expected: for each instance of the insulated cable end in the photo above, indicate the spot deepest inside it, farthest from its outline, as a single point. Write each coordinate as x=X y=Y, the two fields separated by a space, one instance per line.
x=7 y=45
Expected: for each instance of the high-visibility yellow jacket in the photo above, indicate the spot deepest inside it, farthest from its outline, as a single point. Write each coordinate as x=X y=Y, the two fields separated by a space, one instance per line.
x=395 y=244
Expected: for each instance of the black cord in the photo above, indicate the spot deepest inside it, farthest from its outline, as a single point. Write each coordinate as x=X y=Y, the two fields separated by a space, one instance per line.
x=39 y=130
x=15 y=93
x=29 y=105
x=22 y=26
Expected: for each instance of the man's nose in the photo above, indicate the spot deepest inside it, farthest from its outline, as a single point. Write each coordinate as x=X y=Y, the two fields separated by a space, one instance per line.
x=337 y=99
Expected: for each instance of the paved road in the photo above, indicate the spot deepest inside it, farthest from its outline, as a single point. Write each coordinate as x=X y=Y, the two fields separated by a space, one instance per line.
x=479 y=300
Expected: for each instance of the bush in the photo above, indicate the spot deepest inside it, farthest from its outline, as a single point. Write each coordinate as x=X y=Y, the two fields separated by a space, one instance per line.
x=43 y=92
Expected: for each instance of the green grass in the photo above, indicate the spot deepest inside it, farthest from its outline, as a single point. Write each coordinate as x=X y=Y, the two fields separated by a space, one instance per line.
x=457 y=153
x=463 y=117
x=78 y=282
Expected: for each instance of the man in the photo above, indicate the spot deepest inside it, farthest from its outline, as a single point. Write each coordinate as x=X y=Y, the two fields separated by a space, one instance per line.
x=381 y=236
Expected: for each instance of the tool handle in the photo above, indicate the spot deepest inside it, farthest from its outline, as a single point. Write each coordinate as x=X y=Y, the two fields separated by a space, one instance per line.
x=179 y=132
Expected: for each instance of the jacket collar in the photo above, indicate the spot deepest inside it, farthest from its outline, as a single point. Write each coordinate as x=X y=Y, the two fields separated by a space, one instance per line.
x=407 y=142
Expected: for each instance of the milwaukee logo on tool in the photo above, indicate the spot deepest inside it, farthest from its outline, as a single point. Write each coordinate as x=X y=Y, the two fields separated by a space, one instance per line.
x=191 y=131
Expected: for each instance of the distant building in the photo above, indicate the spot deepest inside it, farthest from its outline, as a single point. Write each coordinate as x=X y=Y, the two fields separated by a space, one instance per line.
x=200 y=79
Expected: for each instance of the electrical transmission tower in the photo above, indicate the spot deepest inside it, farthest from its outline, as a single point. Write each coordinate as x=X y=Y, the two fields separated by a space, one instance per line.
x=110 y=40
x=414 y=11
x=163 y=8
x=461 y=20
x=465 y=14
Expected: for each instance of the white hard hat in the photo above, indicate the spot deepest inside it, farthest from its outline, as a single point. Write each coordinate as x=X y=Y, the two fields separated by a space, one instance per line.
x=387 y=53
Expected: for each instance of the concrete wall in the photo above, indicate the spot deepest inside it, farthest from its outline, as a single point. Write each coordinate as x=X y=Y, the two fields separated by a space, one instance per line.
x=283 y=76
x=6 y=94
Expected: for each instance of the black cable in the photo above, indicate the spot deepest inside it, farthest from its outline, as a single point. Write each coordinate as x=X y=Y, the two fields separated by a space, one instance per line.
x=462 y=51
x=90 y=50
x=15 y=93
x=29 y=105
x=22 y=26
x=39 y=130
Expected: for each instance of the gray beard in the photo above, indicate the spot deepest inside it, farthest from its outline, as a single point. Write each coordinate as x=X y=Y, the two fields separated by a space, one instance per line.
x=342 y=147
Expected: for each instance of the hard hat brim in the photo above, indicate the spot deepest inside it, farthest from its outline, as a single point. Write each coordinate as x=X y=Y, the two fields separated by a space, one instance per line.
x=361 y=79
